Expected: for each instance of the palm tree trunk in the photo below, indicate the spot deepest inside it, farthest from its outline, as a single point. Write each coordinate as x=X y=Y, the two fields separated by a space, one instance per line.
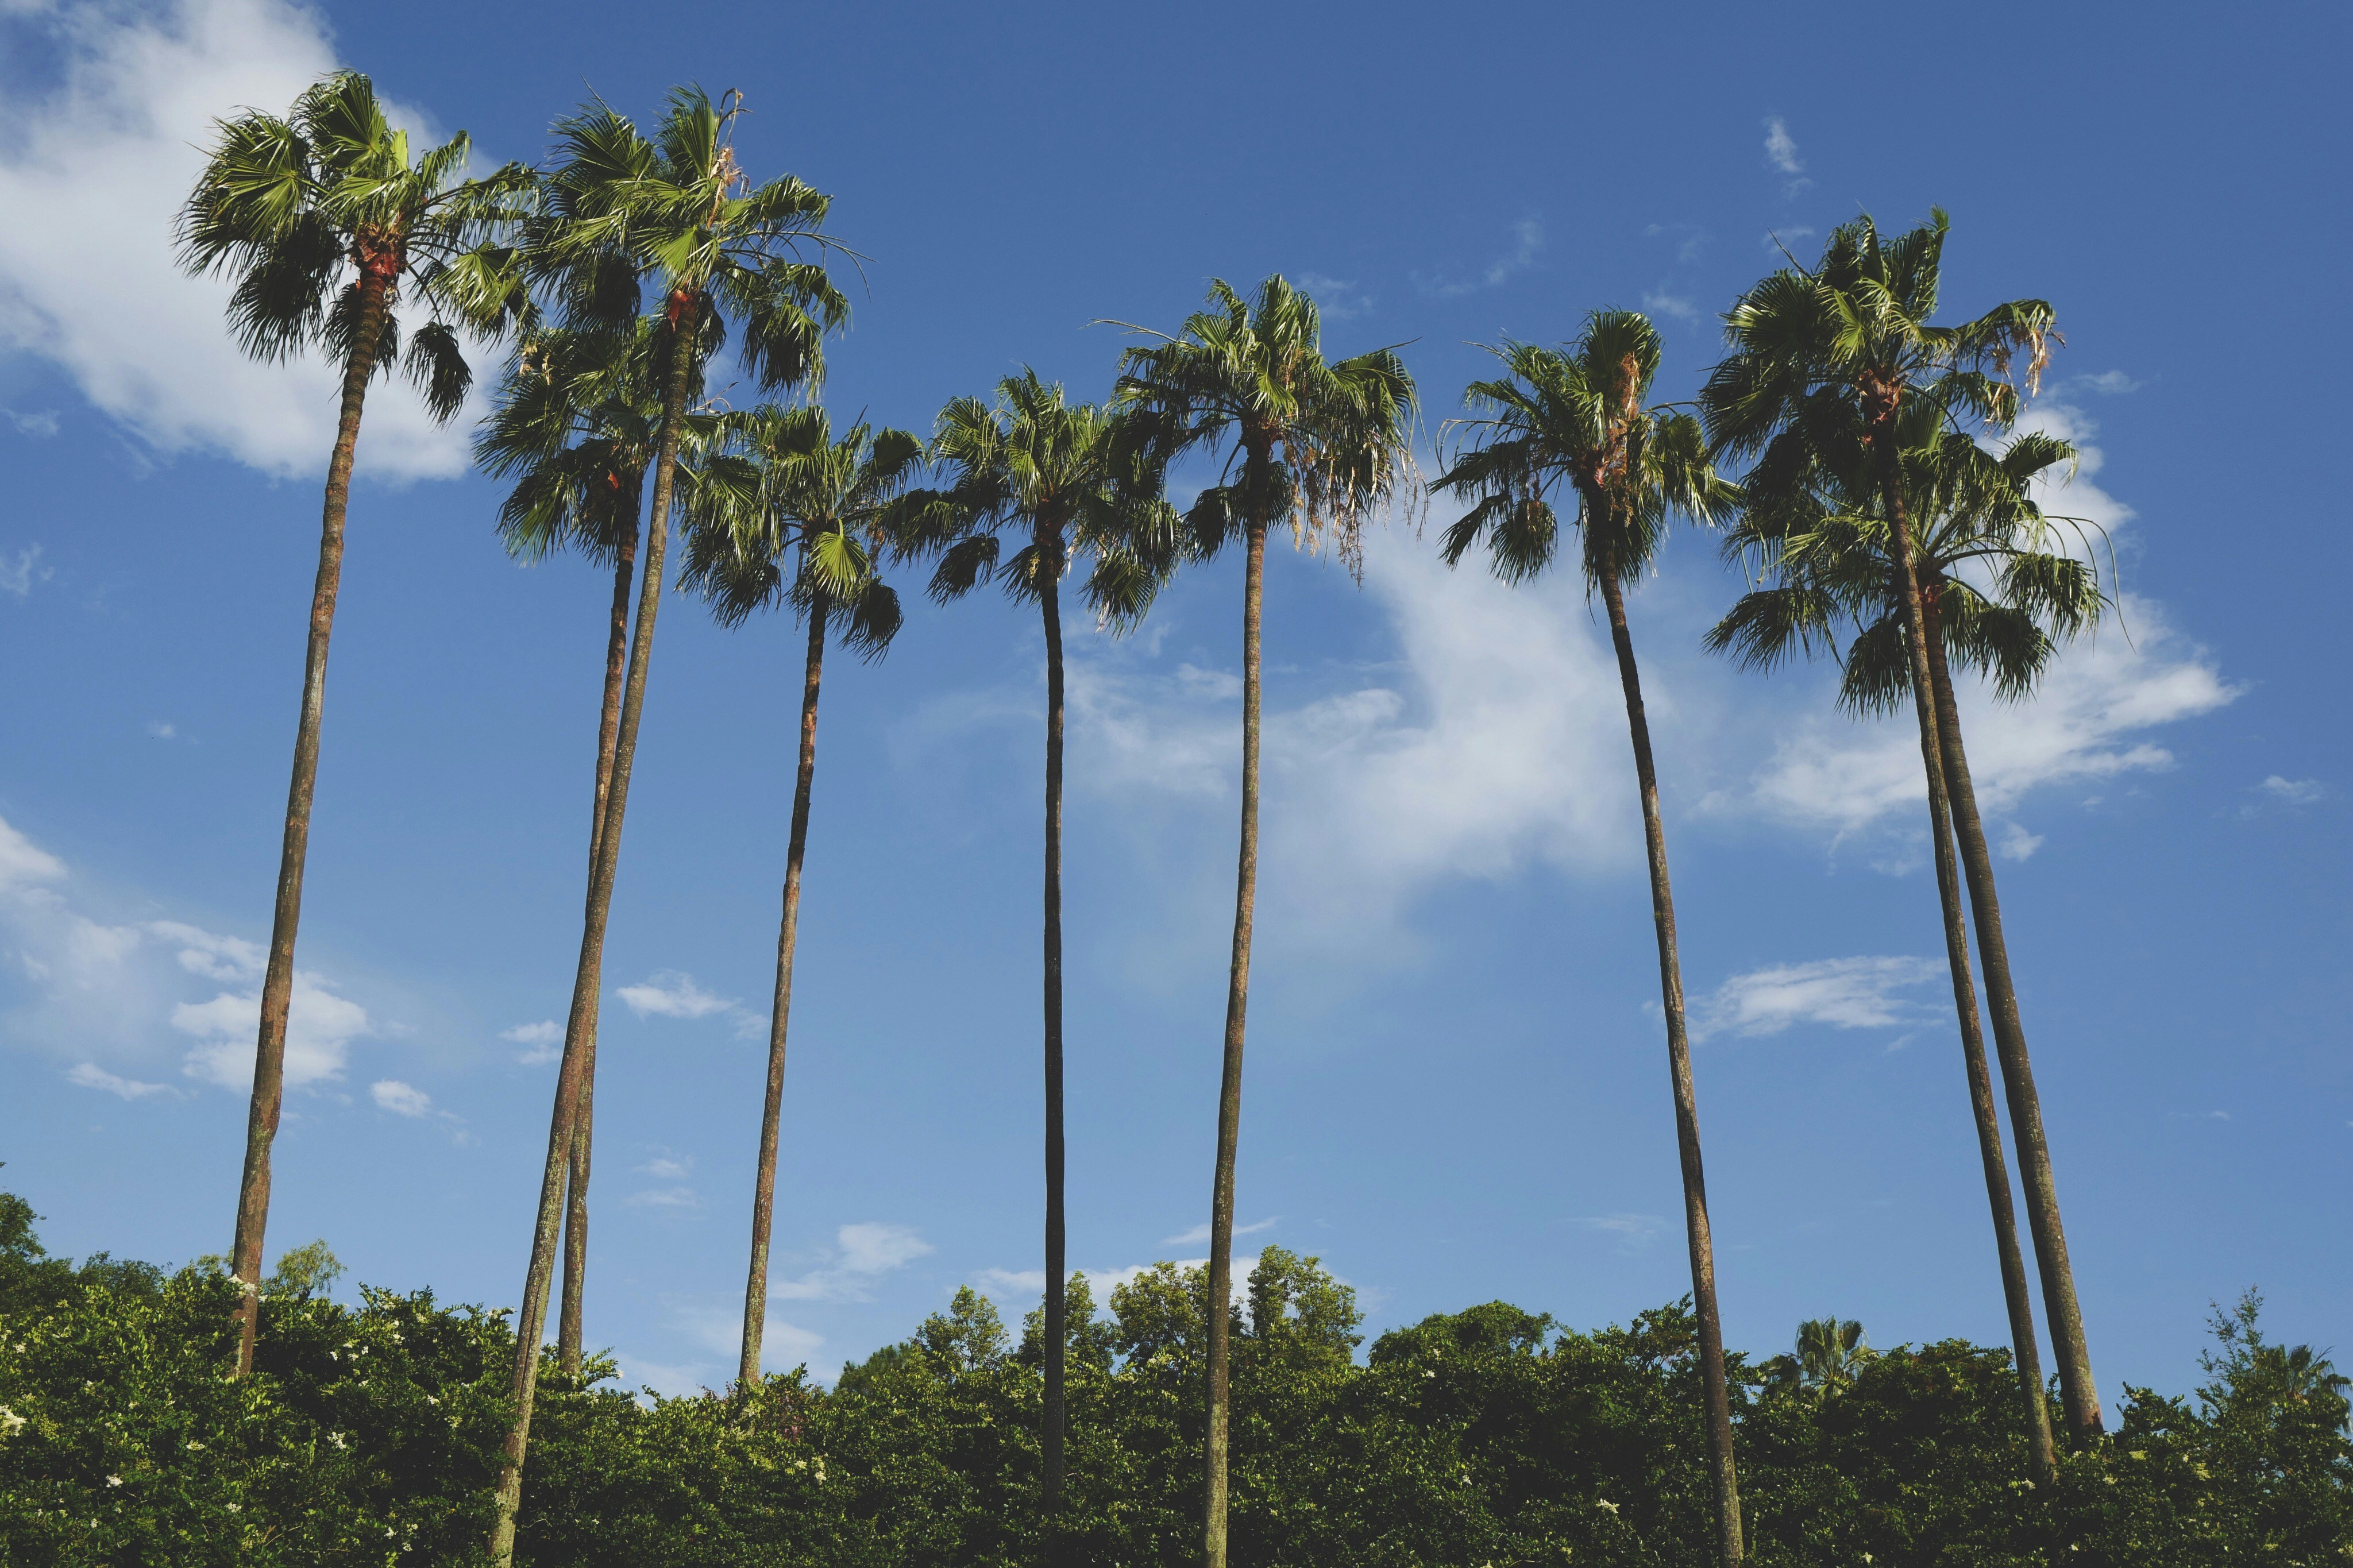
x=1726 y=1482
x=1229 y=1088
x=764 y=1181
x=588 y=980
x=575 y=1194
x=2041 y=1460
x=2077 y=1390
x=278 y=978
x=1057 y=1309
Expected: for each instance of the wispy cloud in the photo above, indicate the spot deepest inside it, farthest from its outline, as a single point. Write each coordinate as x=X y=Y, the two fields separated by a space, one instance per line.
x=1839 y=992
x=542 y=1042
x=1528 y=242
x=17 y=576
x=862 y=1253
x=2107 y=383
x=1661 y=303
x=1200 y=1233
x=1781 y=148
x=1635 y=1232
x=677 y=1198
x=1338 y=299
x=2291 y=792
x=90 y=1075
x=400 y=1099
x=674 y=994
x=39 y=424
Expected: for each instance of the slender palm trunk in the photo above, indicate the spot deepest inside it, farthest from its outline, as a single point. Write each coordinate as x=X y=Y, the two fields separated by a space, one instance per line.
x=278 y=978
x=588 y=980
x=1726 y=1482
x=2078 y=1390
x=1230 y=1087
x=1057 y=1309
x=576 y=1193
x=2041 y=1460
x=764 y=1181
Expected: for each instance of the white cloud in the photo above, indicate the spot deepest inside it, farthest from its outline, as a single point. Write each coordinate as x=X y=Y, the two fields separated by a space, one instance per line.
x=17 y=577
x=23 y=863
x=2107 y=382
x=2084 y=723
x=862 y=1253
x=319 y=1029
x=400 y=1099
x=1200 y=1233
x=1661 y=303
x=163 y=732
x=1013 y=1282
x=715 y=1325
x=673 y=994
x=2017 y=844
x=1337 y=298
x=41 y=424
x=1635 y=1232
x=106 y=154
x=667 y=1168
x=1781 y=148
x=1842 y=993
x=543 y=1042
x=2292 y=791
x=213 y=957
x=90 y=1075
x=665 y=1198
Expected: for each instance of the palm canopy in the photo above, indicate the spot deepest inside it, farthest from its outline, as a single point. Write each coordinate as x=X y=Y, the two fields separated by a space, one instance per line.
x=1063 y=473
x=623 y=209
x=577 y=423
x=1829 y=356
x=306 y=212
x=2002 y=582
x=787 y=515
x=1577 y=415
x=1250 y=376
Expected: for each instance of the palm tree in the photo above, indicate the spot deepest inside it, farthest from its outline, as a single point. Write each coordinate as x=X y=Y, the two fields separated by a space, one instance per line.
x=622 y=209
x=1580 y=417
x=575 y=424
x=326 y=221
x=787 y=516
x=1316 y=443
x=1826 y=551
x=1826 y=367
x=1057 y=476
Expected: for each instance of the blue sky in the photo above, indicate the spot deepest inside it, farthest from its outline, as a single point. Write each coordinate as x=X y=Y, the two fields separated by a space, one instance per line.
x=1456 y=1086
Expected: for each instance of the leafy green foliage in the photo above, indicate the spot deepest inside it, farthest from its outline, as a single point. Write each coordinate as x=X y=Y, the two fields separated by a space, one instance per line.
x=369 y=1433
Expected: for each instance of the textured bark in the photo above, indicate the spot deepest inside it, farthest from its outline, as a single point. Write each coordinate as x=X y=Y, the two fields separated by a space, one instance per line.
x=2040 y=1458
x=278 y=978
x=1230 y=1087
x=1057 y=1308
x=588 y=979
x=1726 y=1481
x=2078 y=1392
x=575 y=1192
x=763 y=1181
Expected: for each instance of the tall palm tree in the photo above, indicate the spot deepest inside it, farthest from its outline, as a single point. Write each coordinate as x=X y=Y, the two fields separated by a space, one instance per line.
x=1319 y=444
x=1825 y=549
x=675 y=209
x=575 y=423
x=787 y=517
x=1580 y=419
x=1057 y=476
x=328 y=223
x=1826 y=365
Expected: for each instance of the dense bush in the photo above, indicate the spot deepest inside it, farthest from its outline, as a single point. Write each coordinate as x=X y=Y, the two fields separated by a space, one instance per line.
x=1490 y=1436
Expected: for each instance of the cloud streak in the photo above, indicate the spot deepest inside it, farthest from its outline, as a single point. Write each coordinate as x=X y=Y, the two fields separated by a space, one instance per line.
x=1836 y=993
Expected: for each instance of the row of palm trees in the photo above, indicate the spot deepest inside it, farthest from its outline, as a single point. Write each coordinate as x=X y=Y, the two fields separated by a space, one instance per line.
x=1886 y=514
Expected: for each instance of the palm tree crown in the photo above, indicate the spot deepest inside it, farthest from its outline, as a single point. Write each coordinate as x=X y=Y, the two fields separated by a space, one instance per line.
x=1063 y=474
x=315 y=213
x=788 y=515
x=676 y=209
x=2002 y=589
x=1250 y=375
x=1577 y=416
